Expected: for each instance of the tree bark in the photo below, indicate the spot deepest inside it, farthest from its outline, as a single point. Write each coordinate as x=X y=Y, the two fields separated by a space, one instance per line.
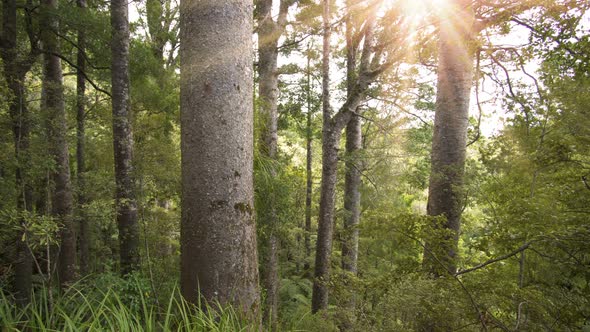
x=269 y=33
x=218 y=234
x=62 y=198
x=445 y=192
x=84 y=240
x=330 y=143
x=14 y=72
x=331 y=134
x=123 y=140
x=308 y=171
x=352 y=181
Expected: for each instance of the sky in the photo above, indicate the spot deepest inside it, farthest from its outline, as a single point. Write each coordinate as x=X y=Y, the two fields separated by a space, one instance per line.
x=490 y=95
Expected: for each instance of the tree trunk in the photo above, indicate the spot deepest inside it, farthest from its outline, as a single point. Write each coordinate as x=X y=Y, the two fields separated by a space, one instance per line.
x=15 y=72
x=330 y=143
x=218 y=234
x=309 y=181
x=123 y=140
x=331 y=134
x=445 y=192
x=352 y=181
x=269 y=33
x=84 y=241
x=62 y=198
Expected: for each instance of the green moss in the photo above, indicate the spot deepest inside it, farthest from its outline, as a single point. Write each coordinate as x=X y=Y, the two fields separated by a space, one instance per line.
x=243 y=208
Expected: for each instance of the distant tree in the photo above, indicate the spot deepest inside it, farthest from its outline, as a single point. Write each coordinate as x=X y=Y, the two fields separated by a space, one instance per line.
x=269 y=33
x=126 y=204
x=81 y=146
x=16 y=67
x=376 y=56
x=53 y=104
x=460 y=23
x=352 y=179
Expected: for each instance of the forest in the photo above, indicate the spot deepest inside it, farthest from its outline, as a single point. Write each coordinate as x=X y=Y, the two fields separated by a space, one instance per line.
x=295 y=165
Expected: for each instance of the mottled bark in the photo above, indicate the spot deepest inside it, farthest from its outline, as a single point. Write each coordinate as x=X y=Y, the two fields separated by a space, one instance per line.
x=84 y=237
x=269 y=33
x=15 y=70
x=445 y=192
x=123 y=139
x=54 y=107
x=218 y=234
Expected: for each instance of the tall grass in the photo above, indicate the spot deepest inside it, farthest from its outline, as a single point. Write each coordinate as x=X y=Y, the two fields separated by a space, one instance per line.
x=86 y=308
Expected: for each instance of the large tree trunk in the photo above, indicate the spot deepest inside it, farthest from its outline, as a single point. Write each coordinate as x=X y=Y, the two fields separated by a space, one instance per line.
x=62 y=198
x=84 y=240
x=218 y=234
x=445 y=193
x=123 y=139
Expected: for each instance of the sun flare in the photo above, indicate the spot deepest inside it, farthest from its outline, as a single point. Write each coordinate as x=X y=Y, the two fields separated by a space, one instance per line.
x=424 y=8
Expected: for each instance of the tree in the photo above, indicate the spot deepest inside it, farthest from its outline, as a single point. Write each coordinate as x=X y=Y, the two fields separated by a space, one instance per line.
x=53 y=105
x=456 y=52
x=218 y=237
x=352 y=180
x=455 y=68
x=308 y=162
x=123 y=139
x=15 y=69
x=269 y=33
x=375 y=59
x=80 y=146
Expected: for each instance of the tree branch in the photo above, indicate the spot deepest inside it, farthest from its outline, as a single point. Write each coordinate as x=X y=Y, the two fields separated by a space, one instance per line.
x=96 y=87
x=491 y=261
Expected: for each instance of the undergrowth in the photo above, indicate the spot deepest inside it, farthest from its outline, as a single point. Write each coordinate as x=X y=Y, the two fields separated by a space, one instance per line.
x=124 y=305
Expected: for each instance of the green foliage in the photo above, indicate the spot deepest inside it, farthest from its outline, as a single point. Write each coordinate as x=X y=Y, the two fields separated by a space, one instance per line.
x=109 y=303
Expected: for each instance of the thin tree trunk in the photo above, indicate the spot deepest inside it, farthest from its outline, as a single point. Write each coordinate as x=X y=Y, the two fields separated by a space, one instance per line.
x=218 y=233
x=269 y=33
x=62 y=198
x=309 y=180
x=330 y=143
x=23 y=262
x=268 y=96
x=84 y=240
x=123 y=140
x=445 y=192
x=331 y=134
x=14 y=72
x=352 y=182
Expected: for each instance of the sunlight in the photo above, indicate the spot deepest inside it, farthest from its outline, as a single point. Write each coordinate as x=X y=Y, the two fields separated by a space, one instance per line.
x=422 y=9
